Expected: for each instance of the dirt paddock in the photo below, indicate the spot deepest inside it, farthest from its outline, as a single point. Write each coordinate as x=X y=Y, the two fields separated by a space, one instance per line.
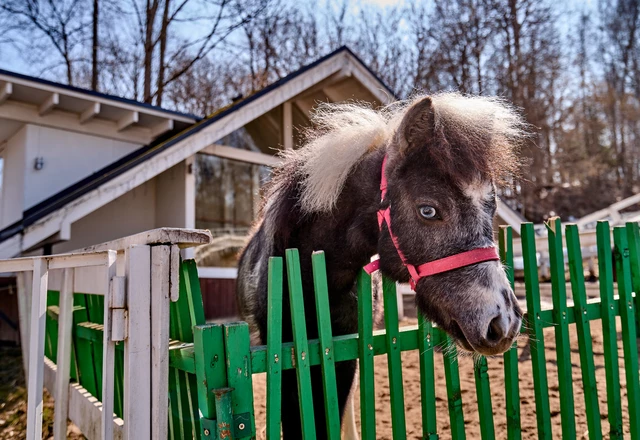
x=411 y=377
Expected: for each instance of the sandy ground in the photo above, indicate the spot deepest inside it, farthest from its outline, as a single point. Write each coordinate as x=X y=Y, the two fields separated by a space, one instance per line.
x=411 y=376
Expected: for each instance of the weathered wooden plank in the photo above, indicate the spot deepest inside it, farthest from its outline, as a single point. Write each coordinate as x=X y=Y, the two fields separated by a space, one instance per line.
x=109 y=348
x=36 y=348
x=160 y=301
x=137 y=351
x=179 y=236
x=63 y=362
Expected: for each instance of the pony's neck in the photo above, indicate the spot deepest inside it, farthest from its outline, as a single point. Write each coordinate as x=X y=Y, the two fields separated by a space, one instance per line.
x=351 y=229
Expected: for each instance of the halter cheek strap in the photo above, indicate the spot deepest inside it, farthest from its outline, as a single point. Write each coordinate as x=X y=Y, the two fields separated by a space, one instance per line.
x=441 y=265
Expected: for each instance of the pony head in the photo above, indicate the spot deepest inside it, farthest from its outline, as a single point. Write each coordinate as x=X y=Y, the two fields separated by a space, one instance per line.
x=444 y=161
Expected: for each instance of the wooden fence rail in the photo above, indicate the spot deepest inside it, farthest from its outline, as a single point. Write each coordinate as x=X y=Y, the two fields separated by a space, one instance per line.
x=89 y=308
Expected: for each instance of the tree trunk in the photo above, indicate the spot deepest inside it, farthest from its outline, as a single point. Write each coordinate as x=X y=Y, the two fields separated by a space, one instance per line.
x=94 y=50
x=163 y=50
x=151 y=10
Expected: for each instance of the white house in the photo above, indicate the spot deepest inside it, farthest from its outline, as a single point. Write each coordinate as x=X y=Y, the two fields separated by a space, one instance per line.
x=80 y=168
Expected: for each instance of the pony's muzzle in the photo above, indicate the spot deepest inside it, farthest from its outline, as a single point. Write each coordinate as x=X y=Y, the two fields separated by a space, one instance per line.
x=498 y=331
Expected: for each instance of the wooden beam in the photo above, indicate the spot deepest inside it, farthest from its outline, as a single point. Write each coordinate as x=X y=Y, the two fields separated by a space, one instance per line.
x=241 y=155
x=28 y=114
x=181 y=237
x=5 y=91
x=128 y=120
x=90 y=112
x=162 y=128
x=304 y=106
x=342 y=74
x=87 y=97
x=49 y=104
x=333 y=94
x=287 y=126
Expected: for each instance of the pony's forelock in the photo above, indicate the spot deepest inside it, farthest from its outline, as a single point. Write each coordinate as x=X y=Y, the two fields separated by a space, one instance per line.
x=342 y=133
x=340 y=136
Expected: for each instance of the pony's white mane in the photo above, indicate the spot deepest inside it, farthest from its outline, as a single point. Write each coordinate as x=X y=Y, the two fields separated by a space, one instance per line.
x=342 y=133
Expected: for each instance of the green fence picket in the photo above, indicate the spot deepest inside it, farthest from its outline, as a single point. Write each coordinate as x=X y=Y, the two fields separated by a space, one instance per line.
x=563 y=344
x=627 y=318
x=483 y=393
x=298 y=322
x=274 y=347
x=331 y=408
x=583 y=328
x=183 y=397
x=95 y=308
x=536 y=334
x=609 y=333
x=365 y=357
x=633 y=237
x=51 y=327
x=511 y=390
x=427 y=379
x=394 y=358
x=189 y=277
x=83 y=347
x=454 y=392
x=239 y=377
x=211 y=373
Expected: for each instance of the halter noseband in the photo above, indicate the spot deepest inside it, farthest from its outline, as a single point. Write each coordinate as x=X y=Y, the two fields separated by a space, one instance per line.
x=441 y=265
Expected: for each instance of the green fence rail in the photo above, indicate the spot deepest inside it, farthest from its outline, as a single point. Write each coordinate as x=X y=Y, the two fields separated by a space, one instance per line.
x=212 y=365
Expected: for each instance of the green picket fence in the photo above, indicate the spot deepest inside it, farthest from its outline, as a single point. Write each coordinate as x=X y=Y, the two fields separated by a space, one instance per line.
x=212 y=365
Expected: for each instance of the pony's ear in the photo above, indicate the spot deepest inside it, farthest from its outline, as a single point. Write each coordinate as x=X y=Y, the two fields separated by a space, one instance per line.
x=418 y=125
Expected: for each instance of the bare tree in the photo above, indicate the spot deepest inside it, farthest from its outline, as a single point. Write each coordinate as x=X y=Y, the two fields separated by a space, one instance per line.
x=61 y=23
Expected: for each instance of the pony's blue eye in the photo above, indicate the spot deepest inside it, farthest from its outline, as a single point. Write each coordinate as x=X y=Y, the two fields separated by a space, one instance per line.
x=428 y=212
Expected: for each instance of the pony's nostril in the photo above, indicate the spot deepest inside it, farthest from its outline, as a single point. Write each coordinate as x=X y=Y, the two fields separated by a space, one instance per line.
x=496 y=332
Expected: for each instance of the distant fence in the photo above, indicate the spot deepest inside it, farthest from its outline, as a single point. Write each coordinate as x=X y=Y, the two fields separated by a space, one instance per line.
x=209 y=376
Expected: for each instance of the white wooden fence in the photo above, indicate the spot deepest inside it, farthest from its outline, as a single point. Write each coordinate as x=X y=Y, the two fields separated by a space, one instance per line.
x=138 y=276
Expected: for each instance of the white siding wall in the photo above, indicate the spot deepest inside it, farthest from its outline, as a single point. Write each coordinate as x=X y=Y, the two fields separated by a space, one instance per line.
x=12 y=201
x=172 y=205
x=133 y=212
x=165 y=201
x=68 y=158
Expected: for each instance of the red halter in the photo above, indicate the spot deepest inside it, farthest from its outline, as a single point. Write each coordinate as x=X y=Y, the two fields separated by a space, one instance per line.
x=446 y=264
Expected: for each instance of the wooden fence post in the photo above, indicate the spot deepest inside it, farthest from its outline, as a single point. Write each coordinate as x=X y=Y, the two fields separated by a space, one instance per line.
x=113 y=288
x=24 y=280
x=36 y=348
x=137 y=352
x=63 y=361
x=160 y=294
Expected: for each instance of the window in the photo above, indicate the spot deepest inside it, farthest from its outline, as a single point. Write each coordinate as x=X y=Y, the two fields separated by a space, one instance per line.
x=227 y=193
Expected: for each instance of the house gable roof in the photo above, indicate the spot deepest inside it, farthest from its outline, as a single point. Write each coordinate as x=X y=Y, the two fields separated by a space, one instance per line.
x=79 y=192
